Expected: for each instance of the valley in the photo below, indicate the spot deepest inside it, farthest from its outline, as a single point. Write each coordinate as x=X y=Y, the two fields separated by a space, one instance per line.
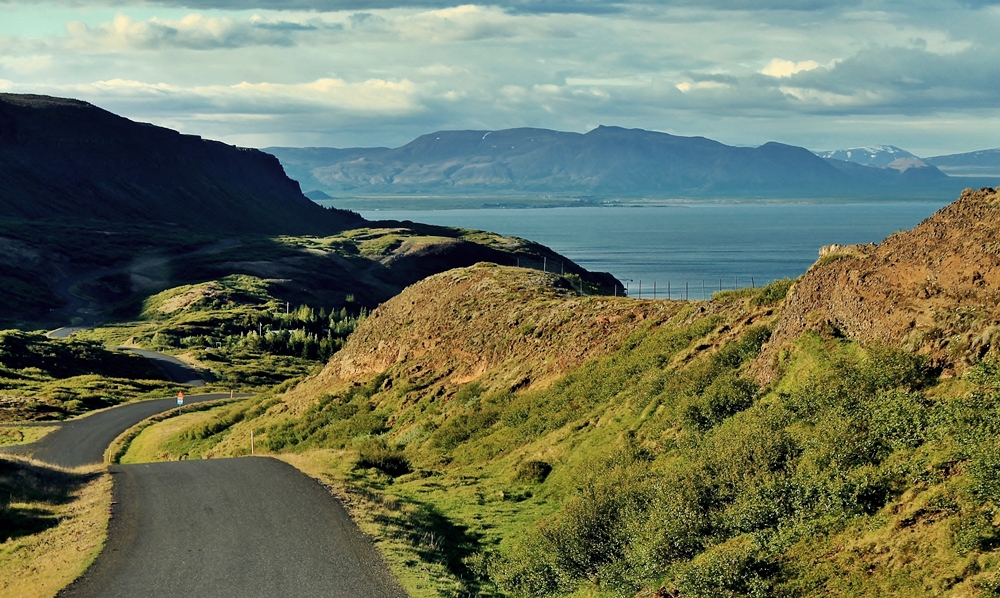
x=492 y=425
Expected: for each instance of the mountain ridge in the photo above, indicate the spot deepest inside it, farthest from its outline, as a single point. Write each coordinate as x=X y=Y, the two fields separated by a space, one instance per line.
x=67 y=159
x=604 y=161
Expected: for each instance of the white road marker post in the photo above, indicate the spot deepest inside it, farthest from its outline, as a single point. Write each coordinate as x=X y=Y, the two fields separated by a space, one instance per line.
x=251 y=442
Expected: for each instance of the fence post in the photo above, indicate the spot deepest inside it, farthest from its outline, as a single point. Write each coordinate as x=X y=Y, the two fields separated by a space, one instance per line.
x=686 y=290
x=668 y=290
x=752 y=285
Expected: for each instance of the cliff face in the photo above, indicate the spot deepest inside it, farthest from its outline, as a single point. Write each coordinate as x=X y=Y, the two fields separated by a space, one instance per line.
x=67 y=159
x=934 y=289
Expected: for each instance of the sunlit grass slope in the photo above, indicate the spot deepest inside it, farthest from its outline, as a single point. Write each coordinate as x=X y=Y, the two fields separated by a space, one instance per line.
x=491 y=443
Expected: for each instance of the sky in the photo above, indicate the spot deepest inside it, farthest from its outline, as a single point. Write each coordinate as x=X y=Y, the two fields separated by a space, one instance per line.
x=923 y=75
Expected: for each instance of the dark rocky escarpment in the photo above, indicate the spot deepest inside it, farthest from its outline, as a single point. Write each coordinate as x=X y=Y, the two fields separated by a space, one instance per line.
x=67 y=159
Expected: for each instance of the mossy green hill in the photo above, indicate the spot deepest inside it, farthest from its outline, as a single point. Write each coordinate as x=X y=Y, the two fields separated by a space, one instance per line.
x=501 y=434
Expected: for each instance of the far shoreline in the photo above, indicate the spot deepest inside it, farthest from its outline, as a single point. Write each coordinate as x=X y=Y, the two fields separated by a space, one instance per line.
x=431 y=203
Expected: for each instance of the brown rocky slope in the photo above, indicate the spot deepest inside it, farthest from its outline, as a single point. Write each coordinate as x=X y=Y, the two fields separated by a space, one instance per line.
x=934 y=290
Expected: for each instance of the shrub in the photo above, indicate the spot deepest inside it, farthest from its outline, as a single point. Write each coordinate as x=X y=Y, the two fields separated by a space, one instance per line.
x=725 y=396
x=533 y=472
x=464 y=426
x=732 y=569
x=377 y=453
x=774 y=292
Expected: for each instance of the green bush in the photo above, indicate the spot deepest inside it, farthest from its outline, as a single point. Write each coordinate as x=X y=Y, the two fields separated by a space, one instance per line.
x=464 y=426
x=724 y=397
x=732 y=569
x=774 y=292
x=377 y=453
x=532 y=472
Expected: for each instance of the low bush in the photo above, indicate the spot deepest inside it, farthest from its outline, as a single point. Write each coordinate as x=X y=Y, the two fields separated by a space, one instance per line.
x=532 y=472
x=376 y=452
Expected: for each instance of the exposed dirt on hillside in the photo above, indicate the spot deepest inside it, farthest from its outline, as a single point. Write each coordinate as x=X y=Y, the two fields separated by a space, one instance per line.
x=507 y=328
x=934 y=290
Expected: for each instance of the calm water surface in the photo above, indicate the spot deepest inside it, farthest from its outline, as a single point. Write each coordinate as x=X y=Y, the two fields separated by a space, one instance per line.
x=689 y=243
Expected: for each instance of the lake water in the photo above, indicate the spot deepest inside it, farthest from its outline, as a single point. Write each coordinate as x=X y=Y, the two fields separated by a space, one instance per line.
x=696 y=244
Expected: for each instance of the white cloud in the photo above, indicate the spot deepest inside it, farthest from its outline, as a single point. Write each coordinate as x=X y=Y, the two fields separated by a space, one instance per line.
x=193 y=31
x=786 y=68
x=436 y=70
x=462 y=23
x=687 y=86
x=22 y=65
x=371 y=96
x=635 y=81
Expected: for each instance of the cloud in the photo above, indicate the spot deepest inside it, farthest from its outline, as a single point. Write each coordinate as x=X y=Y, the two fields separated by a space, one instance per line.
x=594 y=7
x=194 y=31
x=687 y=86
x=786 y=68
x=609 y=81
x=22 y=65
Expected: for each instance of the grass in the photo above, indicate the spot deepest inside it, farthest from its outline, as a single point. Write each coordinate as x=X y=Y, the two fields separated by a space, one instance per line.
x=657 y=467
x=483 y=464
x=14 y=435
x=145 y=441
x=43 y=378
x=667 y=467
x=53 y=526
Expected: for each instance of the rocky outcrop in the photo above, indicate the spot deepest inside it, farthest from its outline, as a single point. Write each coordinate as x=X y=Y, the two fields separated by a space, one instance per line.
x=934 y=290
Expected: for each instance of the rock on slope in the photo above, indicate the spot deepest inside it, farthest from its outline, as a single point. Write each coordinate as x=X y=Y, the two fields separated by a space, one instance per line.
x=67 y=159
x=934 y=289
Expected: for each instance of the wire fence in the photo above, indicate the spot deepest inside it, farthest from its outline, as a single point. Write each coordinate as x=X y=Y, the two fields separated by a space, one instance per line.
x=650 y=289
x=686 y=290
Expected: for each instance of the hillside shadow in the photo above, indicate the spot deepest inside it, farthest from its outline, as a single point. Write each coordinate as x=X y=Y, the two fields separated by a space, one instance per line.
x=29 y=492
x=436 y=538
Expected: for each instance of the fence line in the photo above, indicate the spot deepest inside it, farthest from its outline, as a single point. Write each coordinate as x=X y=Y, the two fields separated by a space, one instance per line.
x=653 y=289
x=701 y=289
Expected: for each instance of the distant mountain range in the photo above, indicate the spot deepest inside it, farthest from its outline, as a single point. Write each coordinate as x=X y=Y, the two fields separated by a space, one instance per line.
x=68 y=160
x=607 y=161
x=983 y=163
x=876 y=155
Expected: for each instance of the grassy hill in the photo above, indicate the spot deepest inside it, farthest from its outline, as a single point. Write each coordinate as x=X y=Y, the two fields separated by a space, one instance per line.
x=45 y=379
x=500 y=434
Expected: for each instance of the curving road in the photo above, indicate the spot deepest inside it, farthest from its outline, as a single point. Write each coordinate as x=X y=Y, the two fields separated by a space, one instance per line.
x=174 y=368
x=230 y=528
x=82 y=441
x=248 y=527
